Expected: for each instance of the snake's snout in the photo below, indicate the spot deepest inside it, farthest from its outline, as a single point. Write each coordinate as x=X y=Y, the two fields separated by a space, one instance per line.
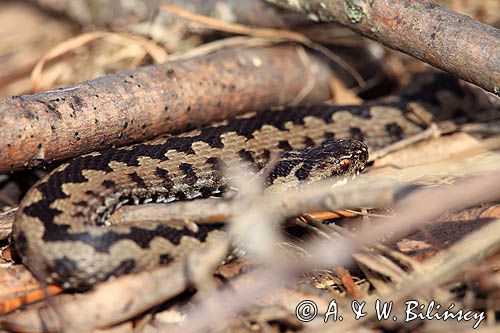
x=330 y=159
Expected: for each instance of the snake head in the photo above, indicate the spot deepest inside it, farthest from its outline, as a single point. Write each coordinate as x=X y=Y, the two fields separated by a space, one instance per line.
x=330 y=159
x=340 y=158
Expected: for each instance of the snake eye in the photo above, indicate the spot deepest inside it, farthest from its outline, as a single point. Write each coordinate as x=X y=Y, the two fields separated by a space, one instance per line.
x=345 y=163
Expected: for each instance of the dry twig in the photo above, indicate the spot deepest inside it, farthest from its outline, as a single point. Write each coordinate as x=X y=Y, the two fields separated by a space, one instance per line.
x=411 y=215
x=422 y=28
x=272 y=34
x=115 y=301
x=132 y=106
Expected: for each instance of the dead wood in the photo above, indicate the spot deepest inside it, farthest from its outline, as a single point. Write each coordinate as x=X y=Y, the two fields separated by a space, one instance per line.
x=410 y=214
x=124 y=12
x=117 y=300
x=437 y=35
x=135 y=105
x=146 y=18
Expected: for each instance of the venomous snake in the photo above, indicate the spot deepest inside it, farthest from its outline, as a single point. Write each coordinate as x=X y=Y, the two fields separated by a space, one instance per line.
x=61 y=232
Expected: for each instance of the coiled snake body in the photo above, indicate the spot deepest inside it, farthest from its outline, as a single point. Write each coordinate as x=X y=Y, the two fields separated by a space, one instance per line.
x=61 y=232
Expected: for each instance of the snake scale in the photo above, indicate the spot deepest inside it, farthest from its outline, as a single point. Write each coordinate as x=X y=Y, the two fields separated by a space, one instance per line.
x=61 y=232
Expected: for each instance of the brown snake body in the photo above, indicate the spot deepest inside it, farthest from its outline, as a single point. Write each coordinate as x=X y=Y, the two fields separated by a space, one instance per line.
x=61 y=230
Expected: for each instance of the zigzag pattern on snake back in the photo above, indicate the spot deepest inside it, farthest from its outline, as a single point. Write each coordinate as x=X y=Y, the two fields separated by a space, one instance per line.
x=61 y=232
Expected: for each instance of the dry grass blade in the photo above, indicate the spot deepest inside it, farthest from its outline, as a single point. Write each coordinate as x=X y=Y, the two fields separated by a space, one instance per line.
x=432 y=131
x=220 y=44
x=236 y=28
x=156 y=52
x=206 y=210
x=117 y=300
x=276 y=273
x=273 y=34
x=441 y=268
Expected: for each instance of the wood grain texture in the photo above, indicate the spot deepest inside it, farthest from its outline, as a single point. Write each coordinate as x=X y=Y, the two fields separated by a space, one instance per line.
x=136 y=105
x=421 y=28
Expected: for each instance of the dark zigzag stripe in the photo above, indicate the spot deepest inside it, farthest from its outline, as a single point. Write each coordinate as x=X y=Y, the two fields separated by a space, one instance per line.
x=142 y=237
x=51 y=190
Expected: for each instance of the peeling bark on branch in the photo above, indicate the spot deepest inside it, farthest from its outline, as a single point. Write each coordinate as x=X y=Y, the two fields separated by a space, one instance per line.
x=421 y=28
x=136 y=105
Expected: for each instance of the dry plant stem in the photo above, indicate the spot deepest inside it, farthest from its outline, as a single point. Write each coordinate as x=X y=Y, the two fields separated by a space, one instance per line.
x=488 y=128
x=430 y=132
x=351 y=289
x=367 y=191
x=379 y=247
x=206 y=210
x=219 y=44
x=114 y=301
x=232 y=27
x=272 y=34
x=324 y=197
x=424 y=205
x=437 y=35
x=124 y=12
x=131 y=287
x=135 y=105
x=6 y=221
x=30 y=294
x=158 y=54
x=441 y=268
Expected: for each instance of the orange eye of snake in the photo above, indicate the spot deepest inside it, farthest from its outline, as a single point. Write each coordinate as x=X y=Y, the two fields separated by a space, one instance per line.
x=345 y=163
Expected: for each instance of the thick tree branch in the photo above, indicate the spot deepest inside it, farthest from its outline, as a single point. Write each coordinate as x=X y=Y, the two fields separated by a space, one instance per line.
x=136 y=105
x=432 y=33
